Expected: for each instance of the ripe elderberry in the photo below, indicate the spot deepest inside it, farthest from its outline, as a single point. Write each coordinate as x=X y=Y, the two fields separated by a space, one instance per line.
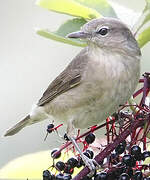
x=146 y=178
x=91 y=153
x=68 y=169
x=120 y=148
x=72 y=162
x=111 y=176
x=128 y=160
x=46 y=175
x=80 y=162
x=124 y=176
x=87 y=154
x=67 y=177
x=101 y=176
x=90 y=138
x=50 y=128
x=59 y=177
x=135 y=150
x=138 y=175
x=54 y=155
x=60 y=166
x=118 y=172
x=66 y=137
x=145 y=154
x=114 y=158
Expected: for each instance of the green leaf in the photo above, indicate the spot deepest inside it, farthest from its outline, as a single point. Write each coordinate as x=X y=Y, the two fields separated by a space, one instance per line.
x=66 y=28
x=147 y=6
x=144 y=37
x=101 y=6
x=70 y=7
x=145 y=20
x=145 y=16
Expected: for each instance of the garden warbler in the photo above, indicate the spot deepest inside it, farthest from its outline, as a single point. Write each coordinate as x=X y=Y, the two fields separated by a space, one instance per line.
x=99 y=79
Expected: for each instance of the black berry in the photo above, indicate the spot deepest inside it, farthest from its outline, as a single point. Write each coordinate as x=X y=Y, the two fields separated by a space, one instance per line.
x=66 y=137
x=68 y=169
x=54 y=154
x=129 y=160
x=118 y=172
x=145 y=154
x=59 y=177
x=50 y=128
x=138 y=175
x=114 y=158
x=72 y=162
x=60 y=166
x=90 y=153
x=67 y=177
x=46 y=175
x=53 y=177
x=87 y=154
x=112 y=176
x=101 y=176
x=120 y=148
x=135 y=150
x=90 y=138
x=146 y=178
x=124 y=176
x=80 y=162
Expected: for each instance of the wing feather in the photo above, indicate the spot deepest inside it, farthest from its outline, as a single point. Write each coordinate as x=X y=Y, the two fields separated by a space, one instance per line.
x=69 y=78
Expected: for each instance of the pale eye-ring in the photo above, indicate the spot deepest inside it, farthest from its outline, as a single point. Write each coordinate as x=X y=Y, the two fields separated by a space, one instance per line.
x=103 y=31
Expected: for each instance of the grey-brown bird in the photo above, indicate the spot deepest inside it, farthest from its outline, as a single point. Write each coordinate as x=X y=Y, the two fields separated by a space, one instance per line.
x=100 y=78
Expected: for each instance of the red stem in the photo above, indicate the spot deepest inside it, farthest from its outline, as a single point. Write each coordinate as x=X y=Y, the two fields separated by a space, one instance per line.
x=107 y=129
x=110 y=147
x=138 y=92
x=85 y=134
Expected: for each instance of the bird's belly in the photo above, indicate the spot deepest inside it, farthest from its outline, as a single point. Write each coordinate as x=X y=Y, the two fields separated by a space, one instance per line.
x=85 y=108
x=98 y=110
x=98 y=96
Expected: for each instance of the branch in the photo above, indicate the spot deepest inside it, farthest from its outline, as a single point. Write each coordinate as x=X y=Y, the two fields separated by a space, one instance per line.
x=110 y=147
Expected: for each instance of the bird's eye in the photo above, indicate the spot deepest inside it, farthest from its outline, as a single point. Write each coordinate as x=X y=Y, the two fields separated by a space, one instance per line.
x=103 y=31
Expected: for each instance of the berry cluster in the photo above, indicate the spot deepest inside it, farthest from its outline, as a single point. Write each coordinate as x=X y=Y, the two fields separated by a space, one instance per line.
x=119 y=161
x=65 y=169
x=128 y=166
x=121 y=167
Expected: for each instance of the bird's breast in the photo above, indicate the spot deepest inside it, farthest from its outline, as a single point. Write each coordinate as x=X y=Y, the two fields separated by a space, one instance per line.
x=108 y=80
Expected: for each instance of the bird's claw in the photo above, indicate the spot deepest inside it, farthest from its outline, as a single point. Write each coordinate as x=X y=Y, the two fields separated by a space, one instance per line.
x=91 y=164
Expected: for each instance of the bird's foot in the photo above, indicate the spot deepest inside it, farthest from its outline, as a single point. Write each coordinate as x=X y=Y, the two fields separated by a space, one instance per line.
x=91 y=164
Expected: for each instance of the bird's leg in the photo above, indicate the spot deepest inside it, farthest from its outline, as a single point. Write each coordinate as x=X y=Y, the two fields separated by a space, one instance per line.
x=90 y=163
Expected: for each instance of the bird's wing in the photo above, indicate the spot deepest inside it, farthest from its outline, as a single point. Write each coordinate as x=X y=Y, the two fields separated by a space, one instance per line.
x=68 y=79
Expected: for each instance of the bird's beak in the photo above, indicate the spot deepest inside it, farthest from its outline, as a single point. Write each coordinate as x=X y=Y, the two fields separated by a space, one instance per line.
x=78 y=34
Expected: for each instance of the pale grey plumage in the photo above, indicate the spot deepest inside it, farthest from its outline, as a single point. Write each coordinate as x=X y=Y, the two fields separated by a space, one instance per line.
x=100 y=78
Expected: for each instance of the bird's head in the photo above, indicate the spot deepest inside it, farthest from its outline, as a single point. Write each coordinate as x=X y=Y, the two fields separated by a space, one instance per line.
x=108 y=33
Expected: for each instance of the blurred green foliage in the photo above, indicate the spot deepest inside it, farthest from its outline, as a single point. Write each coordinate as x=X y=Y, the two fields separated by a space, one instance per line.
x=83 y=11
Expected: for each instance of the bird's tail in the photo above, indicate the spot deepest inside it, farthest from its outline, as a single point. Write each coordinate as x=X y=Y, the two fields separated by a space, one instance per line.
x=16 y=128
